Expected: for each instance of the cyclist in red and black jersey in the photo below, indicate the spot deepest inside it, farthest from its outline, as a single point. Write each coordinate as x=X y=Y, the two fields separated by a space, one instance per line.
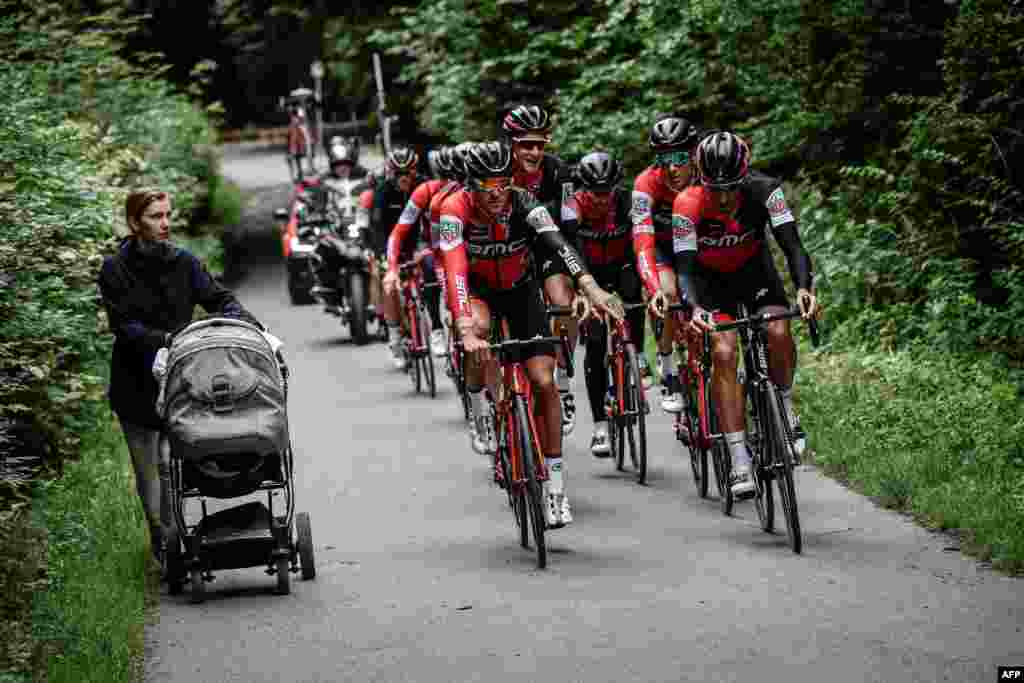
x=597 y=218
x=415 y=223
x=487 y=233
x=673 y=139
x=547 y=178
x=389 y=201
x=719 y=230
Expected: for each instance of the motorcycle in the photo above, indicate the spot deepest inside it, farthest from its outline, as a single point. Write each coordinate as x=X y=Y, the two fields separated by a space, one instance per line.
x=342 y=256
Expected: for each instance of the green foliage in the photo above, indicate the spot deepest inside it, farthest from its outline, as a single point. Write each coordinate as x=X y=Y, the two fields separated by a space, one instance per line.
x=88 y=622
x=896 y=426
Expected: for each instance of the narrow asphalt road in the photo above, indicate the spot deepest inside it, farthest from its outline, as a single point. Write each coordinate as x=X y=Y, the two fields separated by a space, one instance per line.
x=421 y=578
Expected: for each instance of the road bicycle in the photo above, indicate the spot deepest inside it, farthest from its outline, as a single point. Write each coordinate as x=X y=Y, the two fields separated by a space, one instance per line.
x=416 y=345
x=696 y=426
x=771 y=436
x=519 y=463
x=625 y=405
x=455 y=369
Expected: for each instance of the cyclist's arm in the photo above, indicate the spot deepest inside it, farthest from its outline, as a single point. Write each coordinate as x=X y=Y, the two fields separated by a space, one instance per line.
x=685 y=215
x=797 y=257
x=788 y=237
x=643 y=240
x=400 y=233
x=456 y=265
x=551 y=237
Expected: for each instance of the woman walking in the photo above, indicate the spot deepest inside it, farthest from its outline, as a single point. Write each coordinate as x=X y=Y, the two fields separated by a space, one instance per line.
x=149 y=289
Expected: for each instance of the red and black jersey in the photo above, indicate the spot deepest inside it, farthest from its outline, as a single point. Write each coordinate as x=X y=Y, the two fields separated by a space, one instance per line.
x=602 y=234
x=494 y=254
x=434 y=213
x=724 y=242
x=551 y=185
x=414 y=220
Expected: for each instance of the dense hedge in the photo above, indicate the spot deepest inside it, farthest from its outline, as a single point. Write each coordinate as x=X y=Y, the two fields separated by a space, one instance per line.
x=901 y=120
x=79 y=126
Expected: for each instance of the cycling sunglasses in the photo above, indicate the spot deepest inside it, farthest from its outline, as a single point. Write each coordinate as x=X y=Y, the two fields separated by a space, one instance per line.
x=675 y=158
x=491 y=186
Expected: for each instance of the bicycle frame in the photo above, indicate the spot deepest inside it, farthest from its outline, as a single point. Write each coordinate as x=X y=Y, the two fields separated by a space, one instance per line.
x=411 y=274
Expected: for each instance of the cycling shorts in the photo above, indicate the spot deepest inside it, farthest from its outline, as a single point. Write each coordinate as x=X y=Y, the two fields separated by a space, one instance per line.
x=524 y=310
x=756 y=284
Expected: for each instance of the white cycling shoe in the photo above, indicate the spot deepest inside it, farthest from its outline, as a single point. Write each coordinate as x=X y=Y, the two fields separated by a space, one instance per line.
x=741 y=482
x=438 y=343
x=557 y=511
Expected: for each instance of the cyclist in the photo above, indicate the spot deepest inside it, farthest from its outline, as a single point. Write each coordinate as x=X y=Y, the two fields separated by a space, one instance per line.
x=527 y=128
x=415 y=216
x=721 y=258
x=487 y=231
x=390 y=196
x=597 y=218
x=672 y=138
x=299 y=141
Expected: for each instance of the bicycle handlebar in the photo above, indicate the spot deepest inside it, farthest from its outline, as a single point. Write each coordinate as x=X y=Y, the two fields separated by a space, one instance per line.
x=757 y=320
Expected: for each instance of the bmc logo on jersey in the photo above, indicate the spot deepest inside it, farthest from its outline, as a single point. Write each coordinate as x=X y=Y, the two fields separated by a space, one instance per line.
x=724 y=241
x=496 y=249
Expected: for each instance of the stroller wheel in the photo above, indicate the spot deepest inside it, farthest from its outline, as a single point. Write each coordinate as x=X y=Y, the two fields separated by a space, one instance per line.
x=198 y=587
x=304 y=543
x=284 y=584
x=174 y=563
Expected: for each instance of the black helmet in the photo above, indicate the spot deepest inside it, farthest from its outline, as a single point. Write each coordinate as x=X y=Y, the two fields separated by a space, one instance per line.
x=723 y=161
x=403 y=160
x=442 y=162
x=599 y=171
x=459 y=153
x=671 y=131
x=527 y=122
x=340 y=150
x=488 y=160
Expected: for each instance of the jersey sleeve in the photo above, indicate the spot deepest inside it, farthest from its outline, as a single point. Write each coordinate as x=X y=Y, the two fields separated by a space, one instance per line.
x=686 y=212
x=783 y=223
x=410 y=216
x=543 y=226
x=456 y=262
x=643 y=235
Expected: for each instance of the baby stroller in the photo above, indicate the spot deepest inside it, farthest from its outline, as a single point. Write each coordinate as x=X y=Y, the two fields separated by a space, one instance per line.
x=223 y=398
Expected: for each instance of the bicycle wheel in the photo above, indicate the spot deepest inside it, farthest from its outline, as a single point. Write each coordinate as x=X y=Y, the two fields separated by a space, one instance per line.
x=720 y=459
x=698 y=453
x=427 y=358
x=533 y=492
x=616 y=426
x=763 y=499
x=783 y=466
x=637 y=421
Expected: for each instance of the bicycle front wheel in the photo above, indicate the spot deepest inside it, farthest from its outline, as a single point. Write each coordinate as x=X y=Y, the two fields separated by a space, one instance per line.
x=759 y=440
x=690 y=421
x=534 y=494
x=636 y=421
x=427 y=357
x=783 y=466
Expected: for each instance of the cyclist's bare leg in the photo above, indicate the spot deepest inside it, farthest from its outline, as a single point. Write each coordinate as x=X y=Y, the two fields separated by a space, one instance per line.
x=480 y=373
x=727 y=392
x=547 y=409
x=781 y=349
x=667 y=279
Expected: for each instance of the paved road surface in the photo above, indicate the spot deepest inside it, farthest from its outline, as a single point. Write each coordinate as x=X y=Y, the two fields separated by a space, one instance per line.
x=420 y=576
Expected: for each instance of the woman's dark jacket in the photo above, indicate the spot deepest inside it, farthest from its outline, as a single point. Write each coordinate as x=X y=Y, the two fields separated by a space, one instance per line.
x=146 y=298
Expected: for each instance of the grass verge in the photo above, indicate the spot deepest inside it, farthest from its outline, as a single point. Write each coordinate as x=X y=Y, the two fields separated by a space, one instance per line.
x=937 y=436
x=934 y=435
x=89 y=623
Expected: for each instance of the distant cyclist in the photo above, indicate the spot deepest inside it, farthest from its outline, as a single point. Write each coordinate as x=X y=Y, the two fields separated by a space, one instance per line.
x=597 y=219
x=673 y=139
